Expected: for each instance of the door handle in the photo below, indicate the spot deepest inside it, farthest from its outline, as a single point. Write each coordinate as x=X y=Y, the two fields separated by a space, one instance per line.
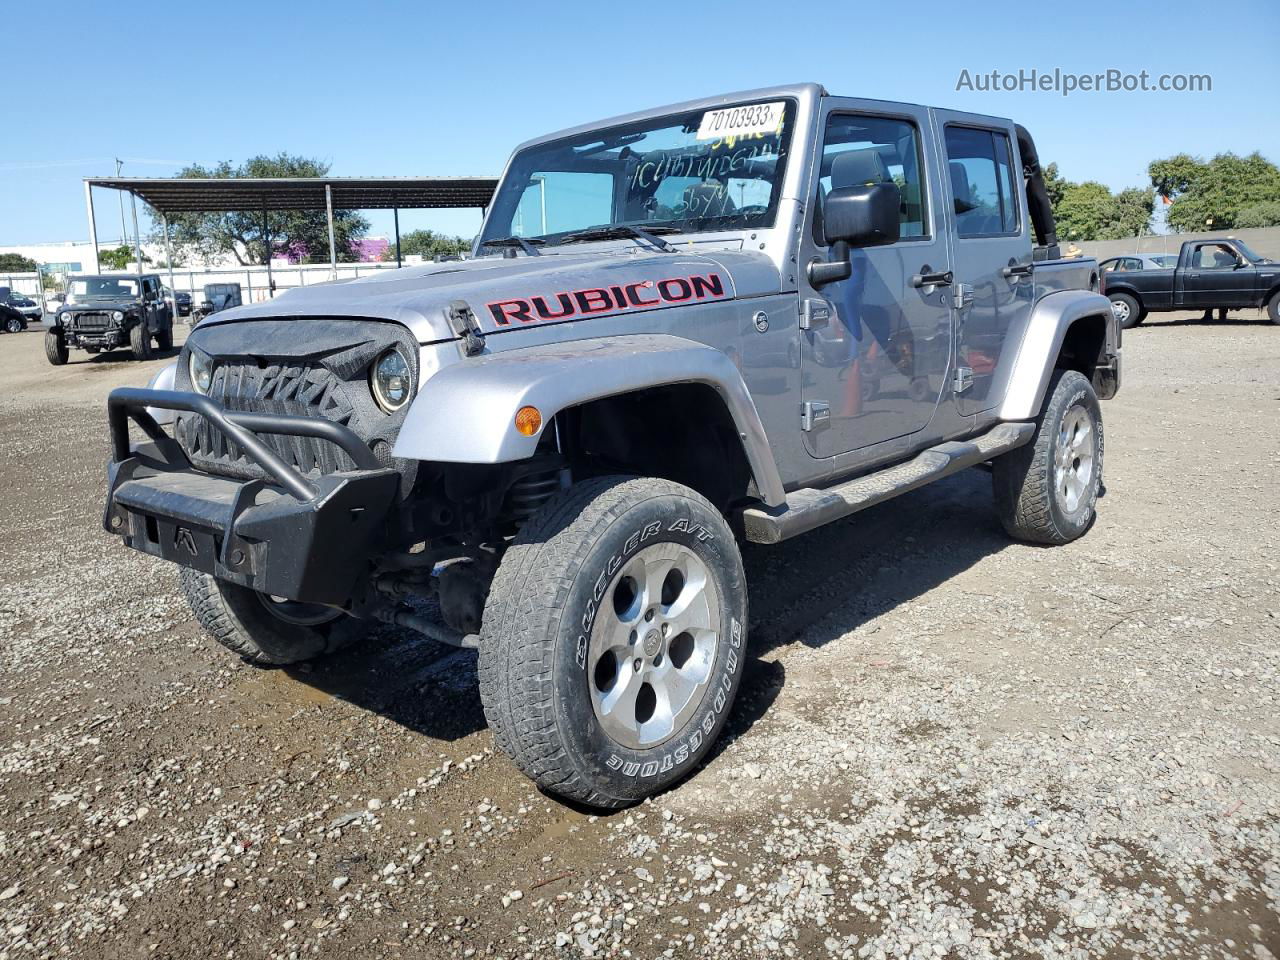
x=1016 y=270
x=932 y=279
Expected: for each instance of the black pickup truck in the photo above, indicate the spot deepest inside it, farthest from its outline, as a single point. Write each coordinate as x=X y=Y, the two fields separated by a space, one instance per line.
x=1210 y=275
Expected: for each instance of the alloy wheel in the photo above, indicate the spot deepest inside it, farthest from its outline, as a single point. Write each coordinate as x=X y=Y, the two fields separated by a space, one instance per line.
x=653 y=645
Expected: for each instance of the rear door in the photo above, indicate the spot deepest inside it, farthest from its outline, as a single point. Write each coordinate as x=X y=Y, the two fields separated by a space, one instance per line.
x=992 y=289
x=875 y=349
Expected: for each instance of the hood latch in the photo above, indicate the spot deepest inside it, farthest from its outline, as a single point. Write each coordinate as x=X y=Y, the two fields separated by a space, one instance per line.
x=466 y=326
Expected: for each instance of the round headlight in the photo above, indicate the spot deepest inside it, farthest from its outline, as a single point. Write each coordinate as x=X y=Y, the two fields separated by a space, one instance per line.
x=201 y=369
x=117 y=316
x=391 y=380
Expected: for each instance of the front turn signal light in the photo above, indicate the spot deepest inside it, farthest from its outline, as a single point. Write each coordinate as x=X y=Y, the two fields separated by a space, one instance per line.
x=528 y=421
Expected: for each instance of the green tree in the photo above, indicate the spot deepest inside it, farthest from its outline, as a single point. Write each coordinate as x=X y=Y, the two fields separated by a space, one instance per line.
x=1054 y=185
x=1214 y=193
x=1265 y=214
x=1131 y=214
x=300 y=235
x=1090 y=211
x=17 y=263
x=118 y=258
x=426 y=244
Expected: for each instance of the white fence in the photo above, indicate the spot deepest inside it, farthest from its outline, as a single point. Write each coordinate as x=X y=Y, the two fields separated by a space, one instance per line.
x=252 y=280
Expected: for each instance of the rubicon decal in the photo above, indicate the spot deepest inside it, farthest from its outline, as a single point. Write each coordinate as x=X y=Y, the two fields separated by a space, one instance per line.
x=595 y=301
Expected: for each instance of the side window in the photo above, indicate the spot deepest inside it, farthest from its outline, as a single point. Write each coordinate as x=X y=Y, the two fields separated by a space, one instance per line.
x=1214 y=256
x=860 y=150
x=578 y=200
x=980 y=164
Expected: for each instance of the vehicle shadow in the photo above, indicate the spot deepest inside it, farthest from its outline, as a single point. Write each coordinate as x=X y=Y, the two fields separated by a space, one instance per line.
x=125 y=355
x=811 y=590
x=1200 y=321
x=828 y=583
x=424 y=686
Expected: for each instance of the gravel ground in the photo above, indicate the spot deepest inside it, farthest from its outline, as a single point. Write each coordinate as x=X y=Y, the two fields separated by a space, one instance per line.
x=948 y=745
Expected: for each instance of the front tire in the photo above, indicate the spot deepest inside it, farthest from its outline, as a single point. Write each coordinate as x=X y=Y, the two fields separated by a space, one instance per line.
x=140 y=342
x=55 y=348
x=164 y=339
x=1047 y=490
x=1128 y=311
x=265 y=630
x=1273 y=308
x=613 y=640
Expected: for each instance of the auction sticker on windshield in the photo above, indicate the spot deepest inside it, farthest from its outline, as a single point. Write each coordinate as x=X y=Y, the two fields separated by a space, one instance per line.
x=755 y=118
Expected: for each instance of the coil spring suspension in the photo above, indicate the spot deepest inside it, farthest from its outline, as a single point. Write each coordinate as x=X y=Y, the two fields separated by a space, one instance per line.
x=530 y=492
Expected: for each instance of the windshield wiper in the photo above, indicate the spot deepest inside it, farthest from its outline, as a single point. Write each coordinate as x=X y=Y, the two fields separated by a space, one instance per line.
x=619 y=231
x=524 y=243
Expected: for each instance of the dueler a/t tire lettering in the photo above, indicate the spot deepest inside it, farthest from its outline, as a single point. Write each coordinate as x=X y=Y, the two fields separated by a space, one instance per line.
x=553 y=581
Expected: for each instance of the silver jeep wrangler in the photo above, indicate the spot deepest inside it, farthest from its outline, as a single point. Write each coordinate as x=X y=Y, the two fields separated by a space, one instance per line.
x=732 y=319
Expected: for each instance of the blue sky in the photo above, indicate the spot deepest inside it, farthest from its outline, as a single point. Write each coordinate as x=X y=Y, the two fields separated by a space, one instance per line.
x=450 y=88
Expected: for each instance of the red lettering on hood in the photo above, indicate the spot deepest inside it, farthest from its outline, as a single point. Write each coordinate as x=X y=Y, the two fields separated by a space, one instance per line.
x=597 y=301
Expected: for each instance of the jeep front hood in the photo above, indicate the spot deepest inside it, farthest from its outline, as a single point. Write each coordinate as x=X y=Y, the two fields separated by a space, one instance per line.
x=507 y=294
x=101 y=303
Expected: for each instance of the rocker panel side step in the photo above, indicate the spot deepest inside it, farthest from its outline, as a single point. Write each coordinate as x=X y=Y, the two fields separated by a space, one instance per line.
x=809 y=508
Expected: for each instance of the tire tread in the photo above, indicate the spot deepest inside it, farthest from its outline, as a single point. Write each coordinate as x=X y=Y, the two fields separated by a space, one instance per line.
x=526 y=600
x=1023 y=489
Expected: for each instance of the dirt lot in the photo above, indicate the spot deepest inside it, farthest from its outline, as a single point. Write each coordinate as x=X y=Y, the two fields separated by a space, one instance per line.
x=948 y=745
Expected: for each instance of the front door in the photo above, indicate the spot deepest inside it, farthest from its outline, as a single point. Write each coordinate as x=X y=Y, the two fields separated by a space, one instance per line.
x=875 y=348
x=992 y=284
x=1215 y=278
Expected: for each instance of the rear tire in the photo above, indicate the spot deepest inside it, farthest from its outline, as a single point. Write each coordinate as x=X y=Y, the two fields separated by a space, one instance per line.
x=243 y=621
x=164 y=339
x=140 y=342
x=14 y=325
x=1047 y=490
x=613 y=639
x=1128 y=311
x=55 y=348
x=1273 y=308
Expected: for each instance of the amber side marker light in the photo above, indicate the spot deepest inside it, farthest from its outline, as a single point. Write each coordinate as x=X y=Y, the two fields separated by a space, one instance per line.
x=528 y=421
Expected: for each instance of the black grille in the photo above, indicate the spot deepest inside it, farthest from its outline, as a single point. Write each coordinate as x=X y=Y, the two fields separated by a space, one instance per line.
x=92 y=322
x=314 y=368
x=302 y=389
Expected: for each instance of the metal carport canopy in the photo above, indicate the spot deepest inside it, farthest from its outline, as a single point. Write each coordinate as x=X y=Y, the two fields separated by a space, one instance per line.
x=167 y=196
x=226 y=194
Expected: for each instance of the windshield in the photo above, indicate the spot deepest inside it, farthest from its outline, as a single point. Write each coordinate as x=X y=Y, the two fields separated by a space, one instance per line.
x=691 y=172
x=84 y=288
x=1253 y=257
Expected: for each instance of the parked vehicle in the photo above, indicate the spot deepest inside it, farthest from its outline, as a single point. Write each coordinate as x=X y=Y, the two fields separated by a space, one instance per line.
x=1139 y=261
x=562 y=439
x=1209 y=275
x=181 y=301
x=106 y=312
x=11 y=320
x=217 y=297
x=29 y=309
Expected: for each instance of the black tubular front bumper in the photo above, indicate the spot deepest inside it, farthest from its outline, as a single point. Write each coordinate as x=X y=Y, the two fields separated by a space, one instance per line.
x=298 y=537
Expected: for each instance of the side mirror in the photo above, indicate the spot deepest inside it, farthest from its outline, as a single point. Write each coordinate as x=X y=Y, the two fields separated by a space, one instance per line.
x=1241 y=264
x=865 y=216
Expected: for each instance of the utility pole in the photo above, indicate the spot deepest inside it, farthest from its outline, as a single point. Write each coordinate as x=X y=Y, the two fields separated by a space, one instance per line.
x=123 y=232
